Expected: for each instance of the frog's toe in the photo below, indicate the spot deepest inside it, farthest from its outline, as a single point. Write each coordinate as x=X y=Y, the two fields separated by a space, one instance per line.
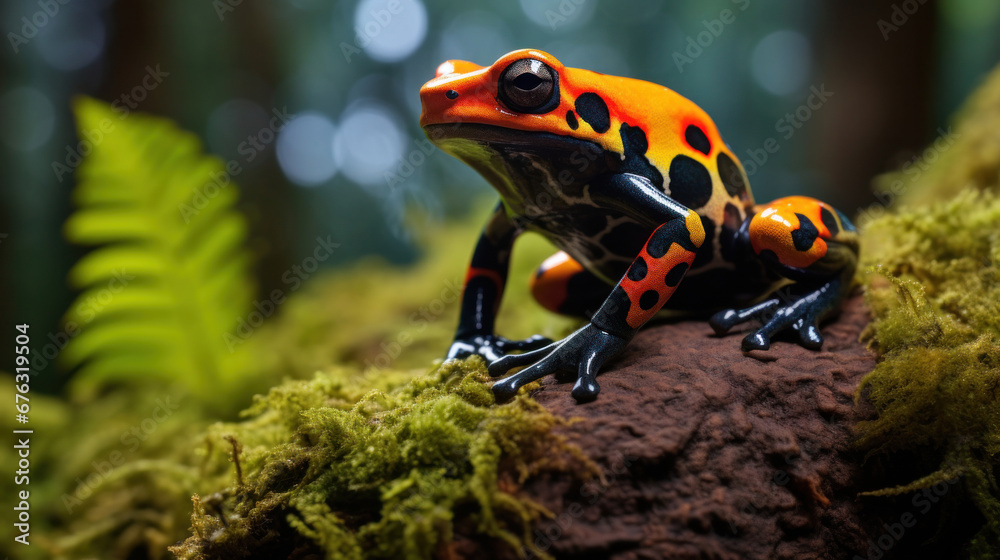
x=722 y=321
x=756 y=340
x=510 y=361
x=586 y=389
x=506 y=388
x=809 y=336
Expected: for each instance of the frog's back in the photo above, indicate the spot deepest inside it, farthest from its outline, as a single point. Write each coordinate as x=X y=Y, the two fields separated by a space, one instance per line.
x=672 y=141
x=676 y=136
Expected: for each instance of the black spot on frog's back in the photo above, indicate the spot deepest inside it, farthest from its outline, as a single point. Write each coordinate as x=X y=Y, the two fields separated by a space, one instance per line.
x=732 y=177
x=696 y=138
x=635 y=144
x=571 y=120
x=690 y=182
x=594 y=111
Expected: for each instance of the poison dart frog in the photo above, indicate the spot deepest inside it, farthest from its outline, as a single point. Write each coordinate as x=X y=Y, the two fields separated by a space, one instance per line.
x=649 y=207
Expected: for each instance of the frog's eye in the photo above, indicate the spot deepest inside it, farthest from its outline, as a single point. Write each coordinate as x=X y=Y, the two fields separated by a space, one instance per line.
x=529 y=86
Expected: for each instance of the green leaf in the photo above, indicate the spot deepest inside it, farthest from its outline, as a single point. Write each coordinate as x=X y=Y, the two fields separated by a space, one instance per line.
x=169 y=273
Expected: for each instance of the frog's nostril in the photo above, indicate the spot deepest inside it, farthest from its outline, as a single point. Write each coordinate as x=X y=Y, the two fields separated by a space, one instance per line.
x=451 y=94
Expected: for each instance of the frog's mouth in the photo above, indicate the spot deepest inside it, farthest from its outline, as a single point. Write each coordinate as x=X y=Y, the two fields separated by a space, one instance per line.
x=506 y=140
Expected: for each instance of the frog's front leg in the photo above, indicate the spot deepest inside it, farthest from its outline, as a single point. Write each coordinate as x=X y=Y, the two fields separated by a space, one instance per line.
x=484 y=285
x=650 y=281
x=808 y=242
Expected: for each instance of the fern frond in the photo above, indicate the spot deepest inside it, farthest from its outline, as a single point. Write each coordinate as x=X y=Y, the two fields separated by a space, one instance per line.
x=169 y=273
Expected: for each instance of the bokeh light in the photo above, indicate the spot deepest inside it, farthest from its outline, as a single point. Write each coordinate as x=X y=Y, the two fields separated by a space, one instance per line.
x=369 y=142
x=781 y=62
x=70 y=41
x=305 y=149
x=390 y=30
x=28 y=117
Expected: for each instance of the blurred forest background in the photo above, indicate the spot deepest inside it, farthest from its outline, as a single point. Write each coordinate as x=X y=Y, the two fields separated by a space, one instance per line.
x=315 y=105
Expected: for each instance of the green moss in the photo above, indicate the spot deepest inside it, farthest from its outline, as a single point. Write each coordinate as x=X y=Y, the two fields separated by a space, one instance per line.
x=933 y=283
x=394 y=474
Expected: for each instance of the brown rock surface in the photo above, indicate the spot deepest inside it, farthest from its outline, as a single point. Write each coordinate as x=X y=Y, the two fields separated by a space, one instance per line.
x=709 y=453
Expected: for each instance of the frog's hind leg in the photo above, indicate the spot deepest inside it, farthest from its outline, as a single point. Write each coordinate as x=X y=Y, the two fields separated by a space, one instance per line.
x=562 y=285
x=808 y=242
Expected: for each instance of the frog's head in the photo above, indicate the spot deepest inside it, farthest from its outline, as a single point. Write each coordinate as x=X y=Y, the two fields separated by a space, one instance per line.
x=528 y=116
x=521 y=91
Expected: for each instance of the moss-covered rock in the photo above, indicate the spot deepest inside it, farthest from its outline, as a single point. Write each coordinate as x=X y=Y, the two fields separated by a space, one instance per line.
x=394 y=473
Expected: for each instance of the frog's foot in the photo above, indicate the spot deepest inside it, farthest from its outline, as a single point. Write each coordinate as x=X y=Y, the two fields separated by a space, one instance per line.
x=801 y=313
x=585 y=351
x=492 y=347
